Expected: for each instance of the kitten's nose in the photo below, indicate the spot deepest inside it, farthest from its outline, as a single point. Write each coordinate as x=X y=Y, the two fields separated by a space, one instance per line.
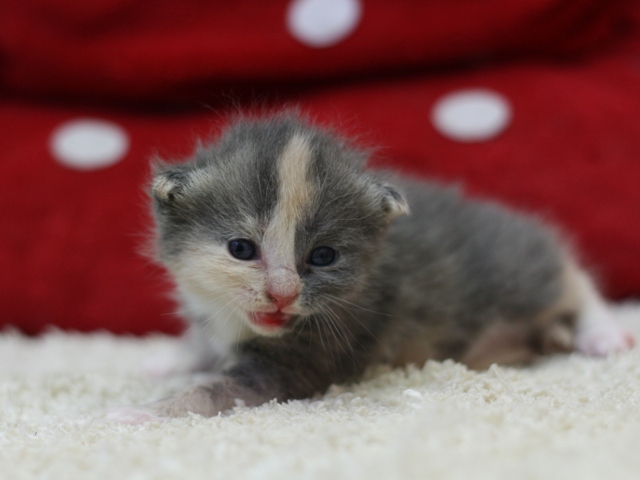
x=283 y=286
x=282 y=300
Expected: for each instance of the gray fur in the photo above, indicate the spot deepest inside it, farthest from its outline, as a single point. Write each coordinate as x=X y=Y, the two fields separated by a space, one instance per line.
x=442 y=275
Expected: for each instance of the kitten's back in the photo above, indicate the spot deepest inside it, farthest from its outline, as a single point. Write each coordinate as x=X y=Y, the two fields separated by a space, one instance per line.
x=455 y=266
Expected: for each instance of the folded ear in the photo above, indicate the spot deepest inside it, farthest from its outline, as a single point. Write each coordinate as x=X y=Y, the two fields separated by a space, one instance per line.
x=393 y=201
x=168 y=184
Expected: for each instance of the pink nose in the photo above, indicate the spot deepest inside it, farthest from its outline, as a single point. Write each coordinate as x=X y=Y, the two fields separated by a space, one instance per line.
x=281 y=300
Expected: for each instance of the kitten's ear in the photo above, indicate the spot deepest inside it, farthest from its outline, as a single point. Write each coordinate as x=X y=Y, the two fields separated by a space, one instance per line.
x=168 y=184
x=393 y=201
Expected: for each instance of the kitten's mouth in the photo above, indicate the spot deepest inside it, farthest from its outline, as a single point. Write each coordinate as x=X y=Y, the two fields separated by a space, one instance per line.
x=270 y=320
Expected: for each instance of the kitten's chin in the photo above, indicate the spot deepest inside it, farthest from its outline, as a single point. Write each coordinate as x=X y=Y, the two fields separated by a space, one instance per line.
x=271 y=324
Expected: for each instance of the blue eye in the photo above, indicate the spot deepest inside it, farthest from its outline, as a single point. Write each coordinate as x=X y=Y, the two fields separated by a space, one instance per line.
x=322 y=256
x=242 y=249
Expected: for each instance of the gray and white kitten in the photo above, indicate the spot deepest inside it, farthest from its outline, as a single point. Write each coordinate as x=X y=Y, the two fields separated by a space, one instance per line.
x=298 y=268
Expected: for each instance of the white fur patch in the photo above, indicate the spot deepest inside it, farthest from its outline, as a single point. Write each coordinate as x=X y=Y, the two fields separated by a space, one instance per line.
x=295 y=194
x=598 y=333
x=217 y=289
x=226 y=324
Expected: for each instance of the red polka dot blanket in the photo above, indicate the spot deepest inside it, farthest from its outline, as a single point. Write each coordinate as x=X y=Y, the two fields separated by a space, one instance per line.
x=533 y=103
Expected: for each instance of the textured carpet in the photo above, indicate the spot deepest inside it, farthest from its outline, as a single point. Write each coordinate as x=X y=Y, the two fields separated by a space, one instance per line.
x=566 y=417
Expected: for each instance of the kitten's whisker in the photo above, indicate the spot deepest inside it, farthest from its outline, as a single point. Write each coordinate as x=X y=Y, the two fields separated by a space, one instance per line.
x=301 y=327
x=238 y=306
x=344 y=330
x=360 y=322
x=210 y=320
x=333 y=327
x=238 y=331
x=338 y=299
x=214 y=315
x=350 y=313
x=322 y=324
x=329 y=333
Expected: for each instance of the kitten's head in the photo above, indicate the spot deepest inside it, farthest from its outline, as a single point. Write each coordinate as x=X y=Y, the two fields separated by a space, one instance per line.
x=278 y=220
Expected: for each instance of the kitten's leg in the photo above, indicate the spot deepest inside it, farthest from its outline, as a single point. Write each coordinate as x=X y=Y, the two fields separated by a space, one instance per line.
x=502 y=344
x=252 y=387
x=265 y=370
x=579 y=320
x=251 y=382
x=597 y=331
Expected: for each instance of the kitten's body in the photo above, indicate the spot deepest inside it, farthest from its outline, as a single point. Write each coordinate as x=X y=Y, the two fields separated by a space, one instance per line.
x=455 y=279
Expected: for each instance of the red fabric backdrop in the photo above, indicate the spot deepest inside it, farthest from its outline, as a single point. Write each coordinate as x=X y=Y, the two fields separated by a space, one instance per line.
x=168 y=50
x=70 y=239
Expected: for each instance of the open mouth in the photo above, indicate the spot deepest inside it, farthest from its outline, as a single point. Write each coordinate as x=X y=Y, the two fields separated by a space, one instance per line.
x=270 y=320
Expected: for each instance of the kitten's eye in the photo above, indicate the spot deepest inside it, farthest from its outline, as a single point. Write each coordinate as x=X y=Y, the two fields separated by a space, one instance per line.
x=322 y=256
x=242 y=249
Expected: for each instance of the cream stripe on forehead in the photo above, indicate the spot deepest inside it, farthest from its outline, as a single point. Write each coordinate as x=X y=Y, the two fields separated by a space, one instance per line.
x=295 y=194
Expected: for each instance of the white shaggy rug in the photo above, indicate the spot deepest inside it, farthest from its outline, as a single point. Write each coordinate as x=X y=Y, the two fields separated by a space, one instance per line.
x=568 y=417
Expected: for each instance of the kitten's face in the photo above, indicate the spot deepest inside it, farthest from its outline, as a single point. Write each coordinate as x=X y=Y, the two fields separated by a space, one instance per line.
x=274 y=224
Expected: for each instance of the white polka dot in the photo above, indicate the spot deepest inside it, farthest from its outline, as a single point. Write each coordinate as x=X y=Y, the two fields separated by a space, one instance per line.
x=323 y=23
x=89 y=144
x=471 y=115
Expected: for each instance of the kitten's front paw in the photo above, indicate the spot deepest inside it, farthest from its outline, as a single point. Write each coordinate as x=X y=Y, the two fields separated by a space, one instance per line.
x=132 y=415
x=197 y=399
x=603 y=339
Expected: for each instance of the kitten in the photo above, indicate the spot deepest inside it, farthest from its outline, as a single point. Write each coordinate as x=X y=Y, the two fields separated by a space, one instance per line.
x=298 y=268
